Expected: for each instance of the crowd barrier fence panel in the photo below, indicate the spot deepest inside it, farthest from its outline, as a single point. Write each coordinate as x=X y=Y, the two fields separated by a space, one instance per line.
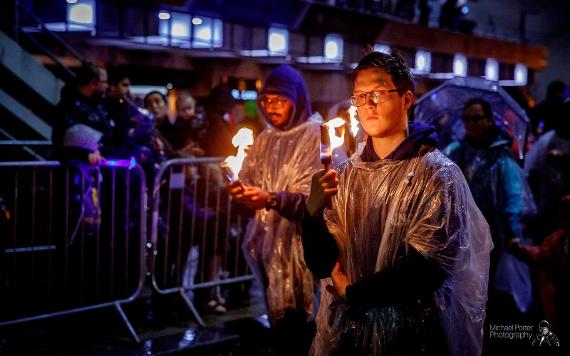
x=196 y=230
x=72 y=238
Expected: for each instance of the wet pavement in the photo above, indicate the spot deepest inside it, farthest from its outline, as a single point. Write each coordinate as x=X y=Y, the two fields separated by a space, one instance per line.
x=239 y=331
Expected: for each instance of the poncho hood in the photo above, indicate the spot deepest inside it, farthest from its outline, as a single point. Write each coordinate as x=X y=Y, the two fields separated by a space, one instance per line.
x=287 y=82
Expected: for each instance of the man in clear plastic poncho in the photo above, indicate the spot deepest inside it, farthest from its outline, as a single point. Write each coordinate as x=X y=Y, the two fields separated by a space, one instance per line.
x=403 y=250
x=277 y=176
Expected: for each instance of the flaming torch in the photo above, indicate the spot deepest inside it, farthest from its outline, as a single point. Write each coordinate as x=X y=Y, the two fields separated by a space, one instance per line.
x=232 y=164
x=330 y=140
x=354 y=127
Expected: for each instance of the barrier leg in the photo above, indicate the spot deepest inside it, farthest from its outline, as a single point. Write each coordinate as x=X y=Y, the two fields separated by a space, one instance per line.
x=128 y=324
x=192 y=308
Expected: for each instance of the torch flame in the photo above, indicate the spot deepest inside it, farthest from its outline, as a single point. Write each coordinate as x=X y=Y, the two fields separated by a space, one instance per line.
x=242 y=139
x=336 y=141
x=353 y=120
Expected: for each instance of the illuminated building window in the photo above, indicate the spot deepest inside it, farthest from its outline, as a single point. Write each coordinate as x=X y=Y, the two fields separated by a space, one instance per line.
x=207 y=32
x=460 y=65
x=81 y=12
x=333 y=48
x=423 y=62
x=278 y=41
x=492 y=69
x=521 y=74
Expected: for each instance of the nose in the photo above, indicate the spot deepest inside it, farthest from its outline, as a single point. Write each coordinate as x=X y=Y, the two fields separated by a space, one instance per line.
x=369 y=99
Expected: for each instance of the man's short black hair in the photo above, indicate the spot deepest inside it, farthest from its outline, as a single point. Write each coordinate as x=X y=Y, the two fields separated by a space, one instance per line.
x=87 y=73
x=487 y=110
x=116 y=74
x=555 y=88
x=392 y=63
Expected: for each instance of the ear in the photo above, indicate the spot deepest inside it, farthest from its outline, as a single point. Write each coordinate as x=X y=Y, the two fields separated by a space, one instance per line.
x=408 y=99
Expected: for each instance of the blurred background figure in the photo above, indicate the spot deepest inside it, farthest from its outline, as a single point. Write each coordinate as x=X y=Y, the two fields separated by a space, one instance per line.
x=545 y=114
x=551 y=263
x=187 y=130
x=220 y=123
x=82 y=130
x=547 y=167
x=501 y=192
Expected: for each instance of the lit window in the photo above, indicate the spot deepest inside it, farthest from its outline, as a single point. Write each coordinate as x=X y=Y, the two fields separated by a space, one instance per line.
x=175 y=25
x=81 y=12
x=333 y=48
x=492 y=69
x=207 y=33
x=521 y=74
x=423 y=62
x=460 y=65
x=278 y=41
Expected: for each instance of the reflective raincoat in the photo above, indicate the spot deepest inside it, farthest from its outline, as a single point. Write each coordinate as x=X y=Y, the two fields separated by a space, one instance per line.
x=283 y=161
x=383 y=208
x=501 y=192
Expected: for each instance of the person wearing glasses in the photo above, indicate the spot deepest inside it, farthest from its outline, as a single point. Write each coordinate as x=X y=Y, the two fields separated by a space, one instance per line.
x=277 y=176
x=402 y=250
x=502 y=193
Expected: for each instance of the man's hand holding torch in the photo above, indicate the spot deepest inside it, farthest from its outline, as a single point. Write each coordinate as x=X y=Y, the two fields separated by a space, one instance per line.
x=323 y=186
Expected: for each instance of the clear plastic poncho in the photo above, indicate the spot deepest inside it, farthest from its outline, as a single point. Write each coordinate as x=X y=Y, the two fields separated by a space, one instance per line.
x=387 y=205
x=282 y=161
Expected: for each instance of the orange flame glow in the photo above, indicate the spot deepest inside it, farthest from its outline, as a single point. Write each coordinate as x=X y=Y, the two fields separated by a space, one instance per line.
x=242 y=139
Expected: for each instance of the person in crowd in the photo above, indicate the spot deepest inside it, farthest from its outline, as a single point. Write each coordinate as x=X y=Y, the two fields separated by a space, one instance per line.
x=276 y=176
x=246 y=114
x=82 y=130
x=425 y=11
x=156 y=103
x=217 y=141
x=545 y=114
x=402 y=249
x=547 y=167
x=187 y=130
x=550 y=261
x=405 y=9
x=502 y=193
x=449 y=15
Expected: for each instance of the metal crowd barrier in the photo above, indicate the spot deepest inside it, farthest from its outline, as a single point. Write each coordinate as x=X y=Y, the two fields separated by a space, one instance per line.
x=196 y=231
x=72 y=239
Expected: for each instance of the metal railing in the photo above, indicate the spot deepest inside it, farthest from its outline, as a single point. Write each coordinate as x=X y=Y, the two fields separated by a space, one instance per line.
x=72 y=239
x=196 y=230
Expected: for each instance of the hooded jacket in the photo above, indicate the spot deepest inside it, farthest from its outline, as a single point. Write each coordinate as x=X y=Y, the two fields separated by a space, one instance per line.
x=415 y=249
x=283 y=161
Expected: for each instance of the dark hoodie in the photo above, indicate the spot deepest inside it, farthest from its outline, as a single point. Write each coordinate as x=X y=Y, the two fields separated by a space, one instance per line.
x=287 y=82
x=411 y=277
x=217 y=140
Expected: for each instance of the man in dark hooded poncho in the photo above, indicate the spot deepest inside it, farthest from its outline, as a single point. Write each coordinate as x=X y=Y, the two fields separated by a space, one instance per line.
x=277 y=176
x=403 y=251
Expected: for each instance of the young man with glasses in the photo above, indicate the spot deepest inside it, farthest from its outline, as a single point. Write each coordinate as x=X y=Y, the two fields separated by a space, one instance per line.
x=403 y=251
x=277 y=176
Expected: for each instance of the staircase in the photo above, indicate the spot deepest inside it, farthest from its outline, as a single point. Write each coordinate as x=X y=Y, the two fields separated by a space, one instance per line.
x=29 y=90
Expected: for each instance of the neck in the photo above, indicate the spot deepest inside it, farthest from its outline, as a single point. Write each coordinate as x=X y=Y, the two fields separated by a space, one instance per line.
x=383 y=146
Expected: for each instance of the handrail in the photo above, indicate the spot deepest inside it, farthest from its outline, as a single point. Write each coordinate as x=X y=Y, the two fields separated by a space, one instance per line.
x=52 y=34
x=25 y=143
